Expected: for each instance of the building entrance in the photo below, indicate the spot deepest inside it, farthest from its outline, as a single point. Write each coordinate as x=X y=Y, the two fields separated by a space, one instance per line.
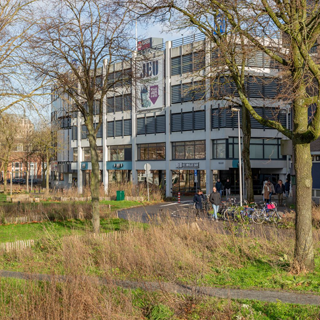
x=185 y=182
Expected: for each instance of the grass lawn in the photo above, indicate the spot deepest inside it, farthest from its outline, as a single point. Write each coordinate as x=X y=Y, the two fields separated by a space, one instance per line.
x=14 y=232
x=262 y=275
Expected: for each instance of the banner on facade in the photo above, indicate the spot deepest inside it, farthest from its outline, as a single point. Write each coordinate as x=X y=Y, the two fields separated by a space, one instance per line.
x=150 y=83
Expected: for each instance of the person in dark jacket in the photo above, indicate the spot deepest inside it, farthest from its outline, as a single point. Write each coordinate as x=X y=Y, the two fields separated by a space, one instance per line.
x=219 y=187
x=227 y=187
x=197 y=200
x=287 y=188
x=215 y=199
x=280 y=191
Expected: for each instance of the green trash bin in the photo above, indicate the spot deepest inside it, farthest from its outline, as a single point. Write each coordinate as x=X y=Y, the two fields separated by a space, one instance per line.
x=120 y=195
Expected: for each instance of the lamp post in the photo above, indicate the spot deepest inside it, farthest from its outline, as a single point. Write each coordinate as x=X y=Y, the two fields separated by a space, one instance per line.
x=240 y=160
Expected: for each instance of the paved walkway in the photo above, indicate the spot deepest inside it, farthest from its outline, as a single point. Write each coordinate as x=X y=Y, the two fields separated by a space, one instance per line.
x=268 y=296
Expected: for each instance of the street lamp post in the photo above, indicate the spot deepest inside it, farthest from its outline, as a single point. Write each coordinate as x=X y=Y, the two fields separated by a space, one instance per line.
x=240 y=160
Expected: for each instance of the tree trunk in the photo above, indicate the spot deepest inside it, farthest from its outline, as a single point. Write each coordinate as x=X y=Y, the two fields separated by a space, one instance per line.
x=95 y=181
x=5 y=169
x=47 y=174
x=246 y=130
x=303 y=253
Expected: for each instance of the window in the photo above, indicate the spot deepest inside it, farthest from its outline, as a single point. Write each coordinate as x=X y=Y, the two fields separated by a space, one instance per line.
x=120 y=153
x=189 y=150
x=87 y=154
x=84 y=132
x=152 y=151
x=219 y=149
x=110 y=105
x=74 y=133
x=187 y=63
x=259 y=149
x=20 y=147
x=188 y=121
x=119 y=103
x=120 y=78
x=75 y=154
x=99 y=133
x=188 y=92
x=151 y=125
x=119 y=128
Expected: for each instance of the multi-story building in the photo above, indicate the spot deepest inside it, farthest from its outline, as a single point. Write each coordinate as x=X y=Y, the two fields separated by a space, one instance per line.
x=20 y=158
x=188 y=135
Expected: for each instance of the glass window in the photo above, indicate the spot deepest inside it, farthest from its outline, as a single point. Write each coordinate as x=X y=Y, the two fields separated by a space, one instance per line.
x=152 y=151
x=75 y=154
x=189 y=150
x=271 y=152
x=100 y=153
x=219 y=149
x=120 y=153
x=86 y=154
x=256 y=151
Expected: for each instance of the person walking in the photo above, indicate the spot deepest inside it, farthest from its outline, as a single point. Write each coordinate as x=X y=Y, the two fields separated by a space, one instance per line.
x=215 y=199
x=263 y=196
x=287 y=188
x=227 y=187
x=272 y=191
x=267 y=189
x=197 y=200
x=280 y=189
x=219 y=187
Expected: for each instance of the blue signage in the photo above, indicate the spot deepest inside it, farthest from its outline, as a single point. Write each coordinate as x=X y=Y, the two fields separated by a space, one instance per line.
x=84 y=165
x=221 y=24
x=117 y=165
x=195 y=173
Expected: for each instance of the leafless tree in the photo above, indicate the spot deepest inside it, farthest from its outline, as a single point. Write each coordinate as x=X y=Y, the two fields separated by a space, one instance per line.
x=286 y=31
x=75 y=46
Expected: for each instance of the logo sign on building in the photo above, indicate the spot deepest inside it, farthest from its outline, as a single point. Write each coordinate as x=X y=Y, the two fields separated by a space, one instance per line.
x=184 y=165
x=144 y=44
x=150 y=83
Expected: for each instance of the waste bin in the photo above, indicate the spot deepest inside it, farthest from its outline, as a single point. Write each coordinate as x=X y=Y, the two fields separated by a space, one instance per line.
x=120 y=195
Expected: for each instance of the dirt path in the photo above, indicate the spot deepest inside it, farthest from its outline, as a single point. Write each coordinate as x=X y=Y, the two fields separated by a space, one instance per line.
x=268 y=296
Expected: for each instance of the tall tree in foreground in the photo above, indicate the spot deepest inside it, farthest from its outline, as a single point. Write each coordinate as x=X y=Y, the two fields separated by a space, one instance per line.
x=286 y=31
x=74 y=40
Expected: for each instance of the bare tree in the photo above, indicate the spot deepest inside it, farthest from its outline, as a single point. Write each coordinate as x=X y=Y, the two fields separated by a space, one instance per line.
x=10 y=133
x=286 y=32
x=76 y=44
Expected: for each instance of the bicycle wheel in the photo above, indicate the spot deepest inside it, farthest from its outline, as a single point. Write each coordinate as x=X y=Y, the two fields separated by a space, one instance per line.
x=258 y=217
x=228 y=214
x=274 y=218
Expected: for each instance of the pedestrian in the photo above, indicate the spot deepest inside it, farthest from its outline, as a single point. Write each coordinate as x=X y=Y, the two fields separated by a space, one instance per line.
x=219 y=187
x=264 y=183
x=227 y=187
x=272 y=191
x=267 y=190
x=280 y=189
x=287 y=188
x=197 y=200
x=215 y=199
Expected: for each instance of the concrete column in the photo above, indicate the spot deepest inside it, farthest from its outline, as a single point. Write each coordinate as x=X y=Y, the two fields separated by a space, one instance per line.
x=209 y=182
x=105 y=176
x=134 y=120
x=79 y=172
x=167 y=108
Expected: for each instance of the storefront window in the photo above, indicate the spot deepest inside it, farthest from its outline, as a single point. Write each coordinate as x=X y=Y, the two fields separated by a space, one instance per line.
x=152 y=151
x=119 y=176
x=189 y=150
x=120 y=153
x=86 y=154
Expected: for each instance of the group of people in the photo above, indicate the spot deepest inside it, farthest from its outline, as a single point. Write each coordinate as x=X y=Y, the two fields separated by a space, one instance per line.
x=215 y=197
x=215 y=200
x=281 y=189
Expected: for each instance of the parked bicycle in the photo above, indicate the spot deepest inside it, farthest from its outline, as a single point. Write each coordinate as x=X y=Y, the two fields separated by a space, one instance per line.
x=267 y=213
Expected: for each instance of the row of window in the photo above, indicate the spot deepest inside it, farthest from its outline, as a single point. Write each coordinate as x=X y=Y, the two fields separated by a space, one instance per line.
x=269 y=149
x=186 y=92
x=186 y=121
x=259 y=149
x=187 y=63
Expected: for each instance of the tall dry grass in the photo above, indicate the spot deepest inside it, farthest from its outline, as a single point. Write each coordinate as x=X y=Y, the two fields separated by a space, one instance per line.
x=166 y=250
x=131 y=190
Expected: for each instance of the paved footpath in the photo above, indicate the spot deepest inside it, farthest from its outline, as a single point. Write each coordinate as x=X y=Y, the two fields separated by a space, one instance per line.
x=268 y=296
